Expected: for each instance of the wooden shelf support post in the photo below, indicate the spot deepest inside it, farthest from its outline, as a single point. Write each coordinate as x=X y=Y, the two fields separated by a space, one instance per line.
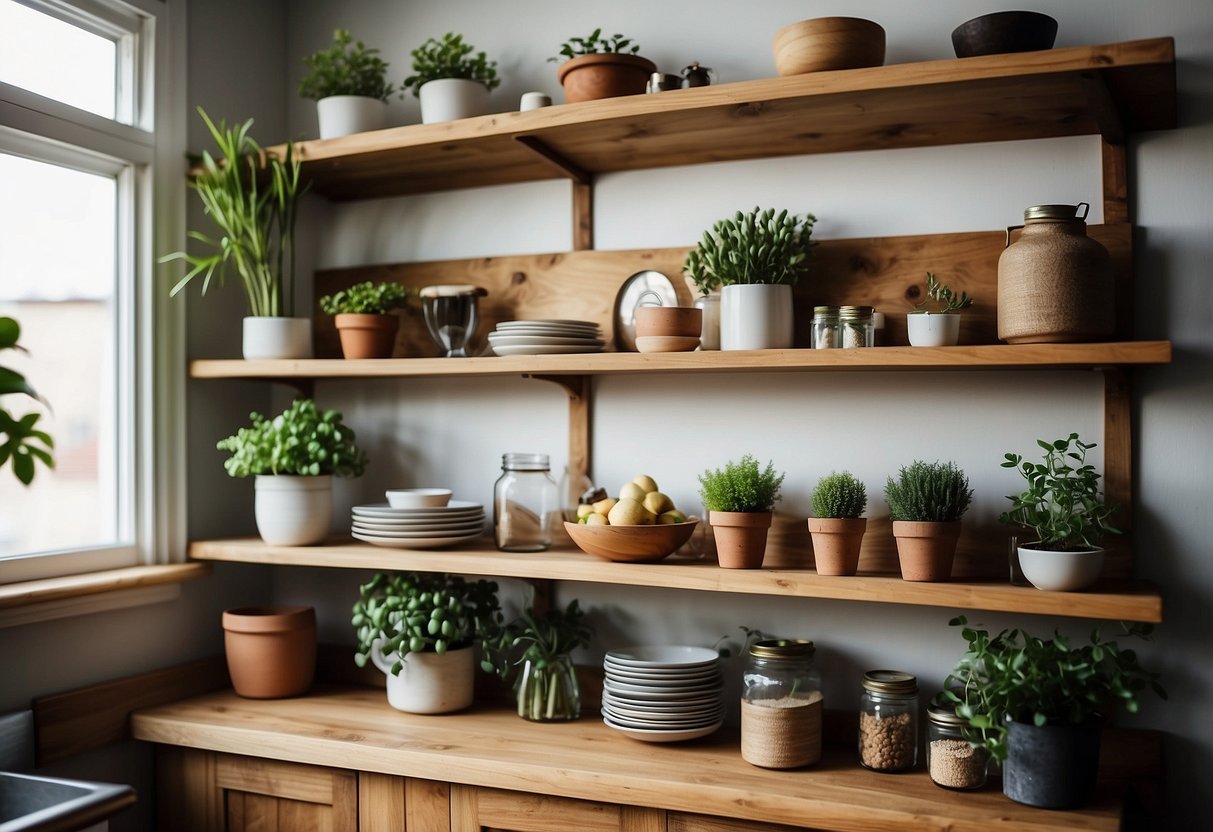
x=1118 y=445
x=578 y=389
x=583 y=191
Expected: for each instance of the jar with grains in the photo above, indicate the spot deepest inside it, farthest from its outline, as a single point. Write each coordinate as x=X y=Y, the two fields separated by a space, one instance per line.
x=781 y=704
x=525 y=499
x=856 y=326
x=826 y=332
x=888 y=721
x=951 y=761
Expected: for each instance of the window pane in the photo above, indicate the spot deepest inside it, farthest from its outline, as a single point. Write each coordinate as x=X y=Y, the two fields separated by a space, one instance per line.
x=55 y=59
x=58 y=232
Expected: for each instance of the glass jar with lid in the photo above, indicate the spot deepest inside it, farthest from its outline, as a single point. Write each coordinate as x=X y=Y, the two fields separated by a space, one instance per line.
x=951 y=761
x=888 y=721
x=856 y=326
x=826 y=333
x=781 y=705
x=525 y=499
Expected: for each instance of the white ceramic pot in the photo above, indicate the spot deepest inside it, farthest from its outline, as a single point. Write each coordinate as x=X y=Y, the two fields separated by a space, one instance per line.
x=266 y=338
x=429 y=683
x=1060 y=571
x=293 y=511
x=933 y=329
x=342 y=115
x=448 y=99
x=756 y=317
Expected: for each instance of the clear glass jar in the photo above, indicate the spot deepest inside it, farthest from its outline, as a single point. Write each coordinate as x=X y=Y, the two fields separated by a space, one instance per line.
x=547 y=690
x=781 y=705
x=525 y=499
x=856 y=327
x=951 y=761
x=709 y=331
x=888 y=721
x=826 y=333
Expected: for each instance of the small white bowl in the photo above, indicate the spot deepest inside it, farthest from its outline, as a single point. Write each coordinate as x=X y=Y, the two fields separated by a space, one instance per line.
x=418 y=497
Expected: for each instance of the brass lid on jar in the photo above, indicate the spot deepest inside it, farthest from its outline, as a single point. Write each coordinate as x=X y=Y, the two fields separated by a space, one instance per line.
x=944 y=713
x=782 y=648
x=890 y=681
x=1055 y=213
x=855 y=311
x=825 y=311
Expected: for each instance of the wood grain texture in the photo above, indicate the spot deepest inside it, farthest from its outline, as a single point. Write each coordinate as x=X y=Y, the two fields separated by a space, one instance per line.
x=507 y=811
x=189 y=776
x=427 y=804
x=90 y=583
x=679 y=822
x=382 y=804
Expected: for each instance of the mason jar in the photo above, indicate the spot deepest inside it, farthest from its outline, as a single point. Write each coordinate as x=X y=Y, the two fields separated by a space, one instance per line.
x=951 y=761
x=826 y=334
x=781 y=704
x=888 y=721
x=856 y=326
x=525 y=499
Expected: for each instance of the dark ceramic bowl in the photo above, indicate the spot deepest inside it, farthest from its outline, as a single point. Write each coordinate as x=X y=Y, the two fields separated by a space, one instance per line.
x=1001 y=32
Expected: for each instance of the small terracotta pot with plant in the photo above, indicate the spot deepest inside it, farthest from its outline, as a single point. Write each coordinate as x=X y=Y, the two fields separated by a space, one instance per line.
x=740 y=499
x=926 y=502
x=363 y=317
x=601 y=67
x=837 y=530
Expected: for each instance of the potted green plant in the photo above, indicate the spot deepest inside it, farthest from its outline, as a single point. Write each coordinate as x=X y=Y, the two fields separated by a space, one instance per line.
x=348 y=82
x=422 y=629
x=363 y=317
x=20 y=438
x=251 y=196
x=451 y=79
x=547 y=689
x=939 y=327
x=293 y=458
x=754 y=258
x=926 y=502
x=596 y=67
x=1064 y=507
x=837 y=530
x=1038 y=706
x=740 y=499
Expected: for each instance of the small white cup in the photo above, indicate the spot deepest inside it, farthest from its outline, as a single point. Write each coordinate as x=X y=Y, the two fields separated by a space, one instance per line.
x=534 y=100
x=418 y=497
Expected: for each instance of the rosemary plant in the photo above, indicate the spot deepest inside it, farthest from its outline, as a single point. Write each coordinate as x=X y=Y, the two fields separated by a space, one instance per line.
x=740 y=486
x=942 y=294
x=839 y=496
x=933 y=492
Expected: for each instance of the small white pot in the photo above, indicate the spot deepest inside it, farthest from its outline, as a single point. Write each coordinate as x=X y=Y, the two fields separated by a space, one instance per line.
x=342 y=115
x=1060 y=571
x=267 y=338
x=933 y=329
x=429 y=683
x=756 y=317
x=448 y=99
x=293 y=511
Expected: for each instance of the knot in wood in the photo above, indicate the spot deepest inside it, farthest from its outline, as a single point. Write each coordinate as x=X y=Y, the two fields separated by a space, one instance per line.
x=914 y=292
x=518 y=278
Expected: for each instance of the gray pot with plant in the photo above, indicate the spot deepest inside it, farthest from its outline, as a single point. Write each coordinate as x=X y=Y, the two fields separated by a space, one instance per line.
x=348 y=82
x=939 y=327
x=740 y=500
x=595 y=67
x=451 y=79
x=363 y=315
x=837 y=530
x=926 y=501
x=1064 y=507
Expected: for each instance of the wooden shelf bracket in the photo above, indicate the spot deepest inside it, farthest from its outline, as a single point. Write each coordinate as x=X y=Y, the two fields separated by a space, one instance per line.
x=579 y=391
x=583 y=190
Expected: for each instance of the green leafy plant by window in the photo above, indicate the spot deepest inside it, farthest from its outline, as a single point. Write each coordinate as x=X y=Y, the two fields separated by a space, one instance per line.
x=754 y=247
x=1062 y=502
x=348 y=67
x=450 y=57
x=740 y=486
x=300 y=441
x=596 y=43
x=943 y=295
x=22 y=444
x=365 y=299
x=839 y=496
x=932 y=492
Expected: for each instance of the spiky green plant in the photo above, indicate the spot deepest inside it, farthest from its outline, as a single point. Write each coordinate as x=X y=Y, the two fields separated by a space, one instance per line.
x=752 y=247
x=450 y=57
x=839 y=496
x=740 y=486
x=348 y=67
x=942 y=294
x=933 y=492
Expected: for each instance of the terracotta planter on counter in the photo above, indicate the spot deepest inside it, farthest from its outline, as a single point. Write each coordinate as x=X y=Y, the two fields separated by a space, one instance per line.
x=926 y=550
x=271 y=651
x=603 y=75
x=366 y=336
x=741 y=537
x=836 y=543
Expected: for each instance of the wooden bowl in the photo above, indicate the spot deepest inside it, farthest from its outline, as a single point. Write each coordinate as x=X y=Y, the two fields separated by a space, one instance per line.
x=1003 y=32
x=673 y=321
x=826 y=43
x=631 y=544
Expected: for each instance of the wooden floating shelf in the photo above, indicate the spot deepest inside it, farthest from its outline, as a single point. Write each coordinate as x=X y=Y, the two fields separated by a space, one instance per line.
x=1121 y=600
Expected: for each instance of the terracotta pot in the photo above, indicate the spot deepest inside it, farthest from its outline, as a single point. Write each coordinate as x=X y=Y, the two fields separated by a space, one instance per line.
x=271 y=651
x=826 y=43
x=926 y=550
x=603 y=75
x=367 y=336
x=836 y=543
x=741 y=537
x=682 y=321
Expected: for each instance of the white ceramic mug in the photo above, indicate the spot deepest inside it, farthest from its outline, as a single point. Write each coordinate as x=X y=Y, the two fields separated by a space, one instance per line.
x=534 y=100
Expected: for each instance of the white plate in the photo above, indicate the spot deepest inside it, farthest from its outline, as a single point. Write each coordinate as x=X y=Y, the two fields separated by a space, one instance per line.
x=419 y=535
x=414 y=543
x=415 y=524
x=705 y=714
x=643 y=692
x=456 y=508
x=624 y=700
x=419 y=531
x=567 y=332
x=647 y=735
x=533 y=349
x=661 y=724
x=543 y=341
x=549 y=322
x=668 y=656
x=650 y=682
x=660 y=673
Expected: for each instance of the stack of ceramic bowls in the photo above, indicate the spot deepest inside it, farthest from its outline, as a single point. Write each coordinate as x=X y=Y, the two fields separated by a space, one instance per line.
x=546 y=337
x=662 y=693
x=430 y=527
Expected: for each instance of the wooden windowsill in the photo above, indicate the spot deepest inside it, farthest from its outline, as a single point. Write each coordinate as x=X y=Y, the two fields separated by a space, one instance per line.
x=18 y=597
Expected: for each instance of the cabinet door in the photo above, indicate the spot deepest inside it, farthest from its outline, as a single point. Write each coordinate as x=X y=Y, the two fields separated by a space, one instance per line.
x=702 y=823
x=494 y=810
x=387 y=803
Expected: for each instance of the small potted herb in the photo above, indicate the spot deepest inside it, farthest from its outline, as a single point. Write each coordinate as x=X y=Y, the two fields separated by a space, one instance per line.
x=740 y=499
x=926 y=501
x=19 y=438
x=451 y=79
x=596 y=66
x=293 y=458
x=363 y=317
x=547 y=689
x=837 y=530
x=348 y=82
x=939 y=327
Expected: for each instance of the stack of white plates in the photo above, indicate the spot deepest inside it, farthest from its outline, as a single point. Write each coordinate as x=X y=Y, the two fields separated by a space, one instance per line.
x=547 y=337
x=662 y=693
x=419 y=528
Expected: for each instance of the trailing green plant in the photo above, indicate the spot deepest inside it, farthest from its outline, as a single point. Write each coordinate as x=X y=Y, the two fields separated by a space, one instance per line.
x=547 y=641
x=932 y=492
x=1016 y=676
x=754 y=247
x=942 y=294
x=450 y=57
x=21 y=442
x=365 y=299
x=596 y=43
x=1062 y=502
x=839 y=496
x=251 y=196
x=300 y=441
x=427 y=612
x=740 y=486
x=348 y=67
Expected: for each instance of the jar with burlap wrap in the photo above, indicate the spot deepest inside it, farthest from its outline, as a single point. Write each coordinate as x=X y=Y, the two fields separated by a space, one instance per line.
x=781 y=705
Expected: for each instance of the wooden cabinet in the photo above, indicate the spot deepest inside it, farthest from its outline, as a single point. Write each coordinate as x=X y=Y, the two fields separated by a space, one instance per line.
x=677 y=822
x=476 y=809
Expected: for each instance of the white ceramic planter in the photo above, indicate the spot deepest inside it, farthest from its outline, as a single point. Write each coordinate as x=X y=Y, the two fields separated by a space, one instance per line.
x=293 y=511
x=1060 y=571
x=933 y=329
x=448 y=99
x=267 y=338
x=342 y=115
x=429 y=683
x=756 y=317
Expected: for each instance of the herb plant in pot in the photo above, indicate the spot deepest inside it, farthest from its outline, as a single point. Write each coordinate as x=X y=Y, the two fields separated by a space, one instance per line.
x=755 y=258
x=926 y=501
x=294 y=457
x=363 y=317
x=547 y=690
x=348 y=82
x=595 y=67
x=740 y=499
x=451 y=79
x=940 y=328
x=837 y=530
x=1064 y=507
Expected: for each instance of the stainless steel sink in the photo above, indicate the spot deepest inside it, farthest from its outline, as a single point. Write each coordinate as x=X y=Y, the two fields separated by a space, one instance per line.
x=31 y=803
